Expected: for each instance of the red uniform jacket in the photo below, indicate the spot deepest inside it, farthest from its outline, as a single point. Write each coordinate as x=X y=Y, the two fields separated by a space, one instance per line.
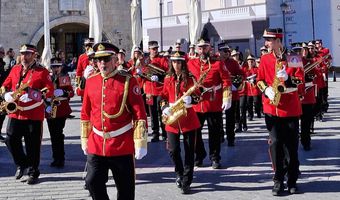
x=310 y=86
x=216 y=80
x=134 y=73
x=107 y=95
x=234 y=69
x=289 y=105
x=319 y=79
x=37 y=78
x=83 y=61
x=251 y=88
x=64 y=109
x=185 y=123
x=153 y=88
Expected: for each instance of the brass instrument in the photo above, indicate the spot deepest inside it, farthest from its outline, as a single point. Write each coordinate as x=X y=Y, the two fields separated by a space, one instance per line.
x=11 y=107
x=152 y=70
x=251 y=79
x=310 y=67
x=277 y=85
x=55 y=102
x=178 y=109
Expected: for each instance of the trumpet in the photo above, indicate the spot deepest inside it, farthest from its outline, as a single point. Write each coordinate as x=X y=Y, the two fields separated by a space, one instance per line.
x=11 y=107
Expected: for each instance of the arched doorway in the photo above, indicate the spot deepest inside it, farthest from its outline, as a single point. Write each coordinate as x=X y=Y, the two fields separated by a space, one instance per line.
x=68 y=38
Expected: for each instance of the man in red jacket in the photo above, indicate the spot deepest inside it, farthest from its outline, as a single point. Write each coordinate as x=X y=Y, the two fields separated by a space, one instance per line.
x=153 y=88
x=215 y=98
x=282 y=108
x=113 y=130
x=83 y=62
x=26 y=111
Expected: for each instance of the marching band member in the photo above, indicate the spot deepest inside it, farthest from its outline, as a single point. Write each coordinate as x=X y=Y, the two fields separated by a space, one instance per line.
x=83 y=62
x=58 y=110
x=253 y=92
x=153 y=88
x=237 y=78
x=26 y=111
x=192 y=52
x=282 y=108
x=113 y=130
x=175 y=85
x=215 y=98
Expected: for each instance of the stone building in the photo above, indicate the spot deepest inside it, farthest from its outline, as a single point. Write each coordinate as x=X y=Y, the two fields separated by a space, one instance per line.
x=22 y=21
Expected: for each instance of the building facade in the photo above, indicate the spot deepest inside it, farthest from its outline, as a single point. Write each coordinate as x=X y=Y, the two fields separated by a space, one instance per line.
x=240 y=22
x=23 y=22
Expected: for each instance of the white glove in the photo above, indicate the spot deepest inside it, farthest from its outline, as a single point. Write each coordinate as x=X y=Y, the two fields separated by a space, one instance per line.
x=233 y=88
x=138 y=71
x=166 y=111
x=88 y=71
x=58 y=92
x=154 y=78
x=8 y=97
x=282 y=74
x=269 y=93
x=24 y=98
x=251 y=81
x=187 y=101
x=84 y=145
x=48 y=109
x=226 y=104
x=140 y=153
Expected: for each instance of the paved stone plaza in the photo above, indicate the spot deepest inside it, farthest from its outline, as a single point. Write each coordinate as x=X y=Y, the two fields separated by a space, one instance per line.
x=246 y=172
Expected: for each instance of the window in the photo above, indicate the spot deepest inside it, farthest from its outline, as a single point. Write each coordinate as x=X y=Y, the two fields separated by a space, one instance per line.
x=240 y=2
x=226 y=3
x=170 y=8
x=72 y=5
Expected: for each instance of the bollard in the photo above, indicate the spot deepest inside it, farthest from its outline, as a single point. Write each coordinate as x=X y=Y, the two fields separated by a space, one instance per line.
x=334 y=75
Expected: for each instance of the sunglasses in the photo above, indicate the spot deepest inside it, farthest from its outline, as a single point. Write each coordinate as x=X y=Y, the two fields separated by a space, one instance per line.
x=106 y=59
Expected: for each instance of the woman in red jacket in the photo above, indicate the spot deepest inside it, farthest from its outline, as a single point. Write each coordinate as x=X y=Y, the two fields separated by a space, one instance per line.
x=176 y=83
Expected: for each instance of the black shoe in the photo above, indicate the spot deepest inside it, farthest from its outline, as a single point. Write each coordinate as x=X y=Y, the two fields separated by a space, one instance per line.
x=71 y=116
x=20 y=172
x=250 y=119
x=85 y=187
x=216 y=165
x=57 y=163
x=2 y=139
x=292 y=189
x=231 y=143
x=179 y=182
x=259 y=115
x=278 y=188
x=199 y=163
x=185 y=189
x=32 y=180
x=238 y=130
x=164 y=138
x=155 y=138
x=245 y=128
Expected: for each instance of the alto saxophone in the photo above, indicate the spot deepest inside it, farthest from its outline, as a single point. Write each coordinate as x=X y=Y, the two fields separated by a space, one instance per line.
x=178 y=109
x=55 y=102
x=278 y=86
x=11 y=107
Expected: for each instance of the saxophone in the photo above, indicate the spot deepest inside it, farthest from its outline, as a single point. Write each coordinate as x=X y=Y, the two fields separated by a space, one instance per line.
x=11 y=107
x=55 y=102
x=277 y=85
x=178 y=109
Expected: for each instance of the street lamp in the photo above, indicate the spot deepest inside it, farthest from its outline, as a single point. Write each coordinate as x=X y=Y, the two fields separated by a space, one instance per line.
x=161 y=21
x=284 y=8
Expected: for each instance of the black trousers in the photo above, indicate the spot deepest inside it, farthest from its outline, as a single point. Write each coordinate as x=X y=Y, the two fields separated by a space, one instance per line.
x=2 y=119
x=31 y=130
x=251 y=102
x=156 y=116
x=215 y=121
x=243 y=110
x=307 y=119
x=123 y=170
x=230 y=120
x=55 y=127
x=283 y=146
x=185 y=171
